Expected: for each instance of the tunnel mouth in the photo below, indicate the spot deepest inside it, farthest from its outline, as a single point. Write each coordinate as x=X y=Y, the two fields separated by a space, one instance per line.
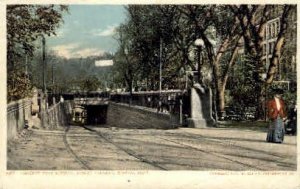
x=96 y=114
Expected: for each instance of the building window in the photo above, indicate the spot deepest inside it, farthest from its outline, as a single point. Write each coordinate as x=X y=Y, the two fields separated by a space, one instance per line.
x=275 y=29
x=278 y=26
x=270 y=48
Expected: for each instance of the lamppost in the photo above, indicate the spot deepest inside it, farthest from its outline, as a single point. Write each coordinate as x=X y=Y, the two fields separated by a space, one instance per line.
x=199 y=43
x=264 y=77
x=201 y=98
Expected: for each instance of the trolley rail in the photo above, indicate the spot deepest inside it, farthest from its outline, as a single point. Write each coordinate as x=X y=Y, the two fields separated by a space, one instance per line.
x=178 y=142
x=85 y=165
x=77 y=158
x=127 y=151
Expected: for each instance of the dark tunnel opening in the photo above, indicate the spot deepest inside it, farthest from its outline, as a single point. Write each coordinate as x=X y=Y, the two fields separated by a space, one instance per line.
x=96 y=114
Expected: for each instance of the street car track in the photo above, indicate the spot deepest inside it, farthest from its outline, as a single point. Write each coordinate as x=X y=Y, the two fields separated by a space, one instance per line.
x=153 y=163
x=78 y=159
x=99 y=134
x=227 y=144
x=127 y=151
x=131 y=153
x=211 y=153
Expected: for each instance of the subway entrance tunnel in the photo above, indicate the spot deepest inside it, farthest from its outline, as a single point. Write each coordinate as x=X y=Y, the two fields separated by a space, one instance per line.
x=96 y=114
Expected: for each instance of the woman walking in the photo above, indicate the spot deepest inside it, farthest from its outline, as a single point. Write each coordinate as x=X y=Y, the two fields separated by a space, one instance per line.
x=277 y=115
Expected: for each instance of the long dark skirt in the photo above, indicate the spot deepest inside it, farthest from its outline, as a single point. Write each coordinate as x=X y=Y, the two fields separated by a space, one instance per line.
x=276 y=131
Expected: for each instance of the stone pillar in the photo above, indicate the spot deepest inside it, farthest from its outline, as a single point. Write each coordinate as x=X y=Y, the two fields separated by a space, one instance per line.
x=201 y=108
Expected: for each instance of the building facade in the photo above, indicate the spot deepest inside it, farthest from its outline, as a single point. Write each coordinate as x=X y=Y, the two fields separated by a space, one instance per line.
x=286 y=69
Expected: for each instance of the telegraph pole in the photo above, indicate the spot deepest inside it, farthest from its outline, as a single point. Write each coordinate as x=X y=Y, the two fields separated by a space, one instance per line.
x=44 y=71
x=44 y=64
x=160 y=65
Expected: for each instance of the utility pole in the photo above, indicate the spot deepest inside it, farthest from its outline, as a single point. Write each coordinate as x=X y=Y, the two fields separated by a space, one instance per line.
x=44 y=71
x=160 y=65
x=53 y=87
x=160 y=74
x=53 y=74
x=44 y=64
x=26 y=73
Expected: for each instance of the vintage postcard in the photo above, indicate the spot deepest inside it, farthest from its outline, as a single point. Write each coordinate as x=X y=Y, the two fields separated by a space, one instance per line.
x=161 y=94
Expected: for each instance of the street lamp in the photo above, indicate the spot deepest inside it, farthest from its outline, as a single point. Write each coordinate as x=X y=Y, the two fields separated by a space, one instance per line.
x=199 y=43
x=200 y=97
x=264 y=77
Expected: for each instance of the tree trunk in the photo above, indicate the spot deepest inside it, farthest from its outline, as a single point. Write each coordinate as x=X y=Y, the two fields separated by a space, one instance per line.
x=220 y=81
x=221 y=101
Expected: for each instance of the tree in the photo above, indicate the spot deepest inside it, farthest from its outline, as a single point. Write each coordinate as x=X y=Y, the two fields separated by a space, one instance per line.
x=243 y=89
x=147 y=30
x=215 y=24
x=253 y=20
x=125 y=61
x=224 y=29
x=25 y=24
x=176 y=28
x=90 y=83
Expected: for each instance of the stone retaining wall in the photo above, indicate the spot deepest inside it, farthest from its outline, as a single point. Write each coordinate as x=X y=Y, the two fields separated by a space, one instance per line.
x=55 y=116
x=118 y=115
x=17 y=113
x=123 y=116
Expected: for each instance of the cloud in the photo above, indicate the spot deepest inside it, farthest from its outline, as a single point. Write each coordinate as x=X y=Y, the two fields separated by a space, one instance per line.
x=73 y=50
x=110 y=30
x=65 y=50
x=88 y=52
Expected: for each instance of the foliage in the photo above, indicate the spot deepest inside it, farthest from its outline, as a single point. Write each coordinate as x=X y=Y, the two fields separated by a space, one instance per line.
x=253 y=21
x=165 y=34
x=243 y=89
x=25 y=24
x=75 y=74
x=90 y=83
x=290 y=99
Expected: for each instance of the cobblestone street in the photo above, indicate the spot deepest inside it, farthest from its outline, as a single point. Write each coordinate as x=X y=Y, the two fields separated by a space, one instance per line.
x=110 y=148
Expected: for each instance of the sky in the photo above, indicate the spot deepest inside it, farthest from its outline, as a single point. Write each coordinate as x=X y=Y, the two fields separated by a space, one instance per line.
x=88 y=30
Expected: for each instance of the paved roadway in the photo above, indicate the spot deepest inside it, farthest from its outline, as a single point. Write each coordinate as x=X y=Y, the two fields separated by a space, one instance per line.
x=109 y=148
